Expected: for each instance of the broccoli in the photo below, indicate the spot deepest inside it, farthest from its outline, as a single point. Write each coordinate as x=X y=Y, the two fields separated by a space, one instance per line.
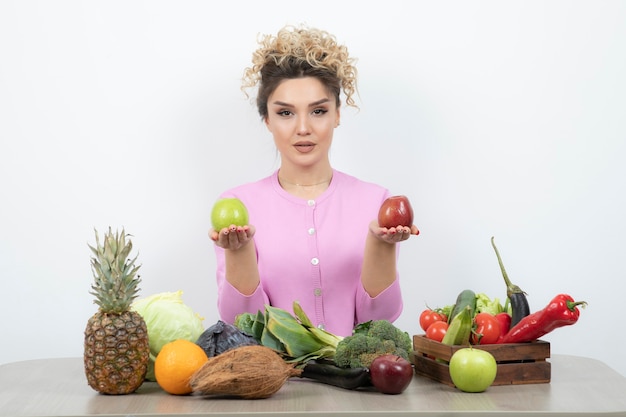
x=370 y=340
x=385 y=330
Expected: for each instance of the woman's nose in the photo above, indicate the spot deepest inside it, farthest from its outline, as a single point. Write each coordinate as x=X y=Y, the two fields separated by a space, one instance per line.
x=303 y=126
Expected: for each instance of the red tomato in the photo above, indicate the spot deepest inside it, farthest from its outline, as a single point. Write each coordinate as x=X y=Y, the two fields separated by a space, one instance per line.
x=428 y=317
x=487 y=329
x=437 y=330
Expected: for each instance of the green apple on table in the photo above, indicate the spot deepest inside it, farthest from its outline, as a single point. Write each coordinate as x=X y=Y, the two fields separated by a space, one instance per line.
x=472 y=370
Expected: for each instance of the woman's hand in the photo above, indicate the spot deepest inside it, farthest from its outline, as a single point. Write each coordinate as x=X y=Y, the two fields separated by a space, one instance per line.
x=393 y=234
x=233 y=237
x=379 y=258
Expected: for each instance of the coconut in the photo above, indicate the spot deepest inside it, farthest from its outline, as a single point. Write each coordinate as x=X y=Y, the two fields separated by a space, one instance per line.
x=245 y=372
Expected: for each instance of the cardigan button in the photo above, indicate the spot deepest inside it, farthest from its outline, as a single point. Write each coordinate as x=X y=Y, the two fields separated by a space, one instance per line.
x=315 y=261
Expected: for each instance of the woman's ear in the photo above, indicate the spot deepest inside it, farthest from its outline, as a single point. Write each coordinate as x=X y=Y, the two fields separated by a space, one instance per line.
x=267 y=123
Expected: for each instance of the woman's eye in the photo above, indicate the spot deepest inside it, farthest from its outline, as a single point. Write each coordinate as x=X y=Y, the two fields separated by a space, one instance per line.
x=320 y=111
x=284 y=113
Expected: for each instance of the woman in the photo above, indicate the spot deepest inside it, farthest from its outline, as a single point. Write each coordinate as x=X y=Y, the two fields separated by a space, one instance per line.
x=312 y=237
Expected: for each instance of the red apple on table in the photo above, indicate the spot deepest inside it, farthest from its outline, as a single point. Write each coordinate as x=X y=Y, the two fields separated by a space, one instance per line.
x=391 y=374
x=395 y=211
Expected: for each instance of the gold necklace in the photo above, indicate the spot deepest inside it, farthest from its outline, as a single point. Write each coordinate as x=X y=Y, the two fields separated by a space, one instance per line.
x=304 y=185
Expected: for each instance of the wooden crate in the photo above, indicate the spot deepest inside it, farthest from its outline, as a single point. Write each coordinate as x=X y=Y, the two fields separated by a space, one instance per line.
x=518 y=363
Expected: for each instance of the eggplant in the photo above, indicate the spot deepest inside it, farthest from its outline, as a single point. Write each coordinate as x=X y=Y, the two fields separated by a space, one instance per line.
x=519 y=303
x=328 y=373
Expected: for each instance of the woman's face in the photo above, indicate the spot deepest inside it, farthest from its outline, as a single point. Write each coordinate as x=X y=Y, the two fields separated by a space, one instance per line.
x=302 y=116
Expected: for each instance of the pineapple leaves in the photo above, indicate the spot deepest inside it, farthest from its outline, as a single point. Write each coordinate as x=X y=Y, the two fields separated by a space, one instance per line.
x=115 y=282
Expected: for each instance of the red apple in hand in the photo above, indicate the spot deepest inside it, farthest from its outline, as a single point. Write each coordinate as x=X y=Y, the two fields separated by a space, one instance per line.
x=391 y=374
x=395 y=211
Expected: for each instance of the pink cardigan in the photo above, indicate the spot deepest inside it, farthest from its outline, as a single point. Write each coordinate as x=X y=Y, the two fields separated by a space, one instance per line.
x=311 y=251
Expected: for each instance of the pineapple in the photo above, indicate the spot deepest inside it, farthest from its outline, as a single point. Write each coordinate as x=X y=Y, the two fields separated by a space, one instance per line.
x=116 y=338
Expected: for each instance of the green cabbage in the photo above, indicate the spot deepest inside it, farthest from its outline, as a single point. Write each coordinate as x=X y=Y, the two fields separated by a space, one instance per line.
x=485 y=305
x=167 y=319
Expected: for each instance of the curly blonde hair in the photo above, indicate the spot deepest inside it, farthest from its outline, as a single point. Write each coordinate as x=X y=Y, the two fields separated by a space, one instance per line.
x=296 y=53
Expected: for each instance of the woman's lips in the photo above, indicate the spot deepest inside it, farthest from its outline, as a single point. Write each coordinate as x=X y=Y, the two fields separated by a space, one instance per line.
x=304 y=147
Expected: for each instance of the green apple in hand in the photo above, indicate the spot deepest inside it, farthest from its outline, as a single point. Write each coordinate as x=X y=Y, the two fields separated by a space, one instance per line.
x=472 y=370
x=227 y=211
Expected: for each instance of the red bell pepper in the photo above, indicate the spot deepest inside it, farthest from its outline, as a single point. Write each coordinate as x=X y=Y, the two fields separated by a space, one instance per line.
x=561 y=311
x=505 y=324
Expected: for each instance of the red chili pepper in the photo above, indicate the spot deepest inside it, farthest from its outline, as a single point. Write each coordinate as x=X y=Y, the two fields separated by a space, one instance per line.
x=561 y=311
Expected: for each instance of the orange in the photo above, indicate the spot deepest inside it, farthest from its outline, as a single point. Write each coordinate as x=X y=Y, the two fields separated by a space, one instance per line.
x=175 y=365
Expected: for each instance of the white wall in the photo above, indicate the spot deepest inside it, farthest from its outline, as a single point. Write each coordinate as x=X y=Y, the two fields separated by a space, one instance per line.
x=496 y=118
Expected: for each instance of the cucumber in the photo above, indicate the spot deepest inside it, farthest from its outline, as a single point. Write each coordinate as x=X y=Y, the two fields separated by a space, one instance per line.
x=464 y=299
x=460 y=329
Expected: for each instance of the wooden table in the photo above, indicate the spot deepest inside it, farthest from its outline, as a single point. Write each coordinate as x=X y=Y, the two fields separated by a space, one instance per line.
x=57 y=387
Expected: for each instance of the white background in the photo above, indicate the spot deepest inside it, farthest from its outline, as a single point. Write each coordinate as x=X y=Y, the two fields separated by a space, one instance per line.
x=502 y=119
